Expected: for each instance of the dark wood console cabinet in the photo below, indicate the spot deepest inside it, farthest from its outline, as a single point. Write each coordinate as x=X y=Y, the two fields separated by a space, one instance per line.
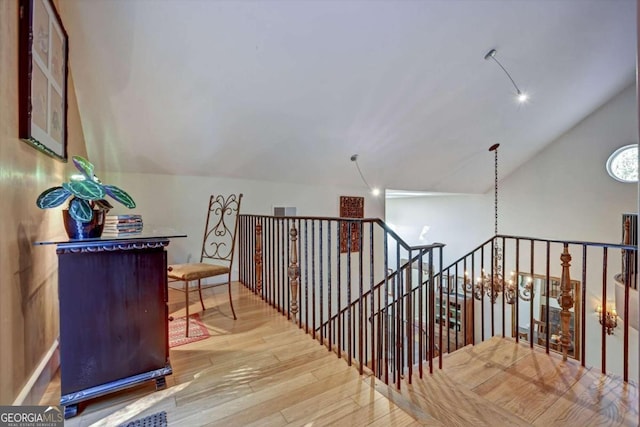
x=113 y=316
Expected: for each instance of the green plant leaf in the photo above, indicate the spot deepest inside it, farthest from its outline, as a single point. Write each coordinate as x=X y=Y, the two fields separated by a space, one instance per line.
x=80 y=210
x=102 y=205
x=87 y=190
x=52 y=197
x=84 y=166
x=120 y=196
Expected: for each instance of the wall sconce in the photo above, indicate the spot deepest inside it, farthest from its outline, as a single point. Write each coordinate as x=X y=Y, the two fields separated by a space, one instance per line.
x=609 y=319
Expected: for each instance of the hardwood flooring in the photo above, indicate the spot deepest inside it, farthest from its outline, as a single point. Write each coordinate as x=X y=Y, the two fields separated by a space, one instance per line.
x=261 y=370
x=503 y=383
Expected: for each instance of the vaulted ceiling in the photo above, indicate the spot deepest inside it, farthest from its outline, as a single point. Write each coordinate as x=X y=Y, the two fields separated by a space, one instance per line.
x=289 y=90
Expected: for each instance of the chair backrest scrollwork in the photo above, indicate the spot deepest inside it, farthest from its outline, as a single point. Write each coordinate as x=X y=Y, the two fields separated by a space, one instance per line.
x=221 y=228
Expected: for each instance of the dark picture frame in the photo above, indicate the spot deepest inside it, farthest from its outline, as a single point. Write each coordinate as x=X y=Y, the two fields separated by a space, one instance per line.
x=350 y=207
x=42 y=78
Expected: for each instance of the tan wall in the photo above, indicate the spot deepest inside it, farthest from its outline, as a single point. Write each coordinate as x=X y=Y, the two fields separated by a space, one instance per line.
x=28 y=274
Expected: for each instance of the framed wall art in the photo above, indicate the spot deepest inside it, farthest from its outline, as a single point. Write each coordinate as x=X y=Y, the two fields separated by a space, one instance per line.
x=350 y=207
x=42 y=80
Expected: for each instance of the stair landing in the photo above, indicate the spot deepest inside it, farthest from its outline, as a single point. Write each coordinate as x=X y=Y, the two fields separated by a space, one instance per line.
x=501 y=382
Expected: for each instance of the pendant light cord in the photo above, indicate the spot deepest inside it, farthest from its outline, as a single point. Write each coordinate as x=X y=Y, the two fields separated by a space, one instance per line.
x=496 y=192
x=494 y=148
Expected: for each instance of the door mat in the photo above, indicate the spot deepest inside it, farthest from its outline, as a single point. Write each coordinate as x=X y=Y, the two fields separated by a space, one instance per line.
x=177 y=328
x=158 y=419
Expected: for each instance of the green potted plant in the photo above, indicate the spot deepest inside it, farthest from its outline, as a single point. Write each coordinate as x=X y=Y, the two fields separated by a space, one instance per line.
x=87 y=207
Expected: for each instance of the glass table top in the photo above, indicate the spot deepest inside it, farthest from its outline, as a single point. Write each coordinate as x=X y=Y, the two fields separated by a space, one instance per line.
x=148 y=233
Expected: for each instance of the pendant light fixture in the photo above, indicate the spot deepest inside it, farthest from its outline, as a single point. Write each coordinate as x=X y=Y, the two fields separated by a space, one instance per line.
x=521 y=96
x=374 y=191
x=494 y=282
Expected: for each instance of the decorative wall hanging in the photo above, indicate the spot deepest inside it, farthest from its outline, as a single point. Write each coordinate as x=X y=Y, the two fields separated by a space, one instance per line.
x=350 y=207
x=42 y=78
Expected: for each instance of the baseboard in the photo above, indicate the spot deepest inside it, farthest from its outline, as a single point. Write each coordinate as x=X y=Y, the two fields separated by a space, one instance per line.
x=34 y=389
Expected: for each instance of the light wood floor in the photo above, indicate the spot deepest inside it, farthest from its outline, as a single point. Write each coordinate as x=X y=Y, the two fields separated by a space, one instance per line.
x=502 y=383
x=262 y=370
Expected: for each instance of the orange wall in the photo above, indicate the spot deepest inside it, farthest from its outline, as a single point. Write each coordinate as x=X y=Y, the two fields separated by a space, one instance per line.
x=28 y=274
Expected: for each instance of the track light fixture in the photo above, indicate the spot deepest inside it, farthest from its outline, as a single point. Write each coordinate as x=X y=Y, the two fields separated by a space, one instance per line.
x=520 y=95
x=374 y=191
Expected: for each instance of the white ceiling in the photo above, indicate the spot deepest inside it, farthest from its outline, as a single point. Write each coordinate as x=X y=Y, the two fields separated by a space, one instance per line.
x=289 y=90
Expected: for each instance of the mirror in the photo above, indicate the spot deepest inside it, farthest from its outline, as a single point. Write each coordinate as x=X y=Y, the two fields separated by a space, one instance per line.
x=539 y=306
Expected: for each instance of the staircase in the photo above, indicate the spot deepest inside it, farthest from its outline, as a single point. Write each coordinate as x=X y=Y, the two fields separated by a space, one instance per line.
x=503 y=383
x=379 y=303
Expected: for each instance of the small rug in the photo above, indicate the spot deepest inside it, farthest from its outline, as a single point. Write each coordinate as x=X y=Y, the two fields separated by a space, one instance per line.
x=177 y=328
x=158 y=419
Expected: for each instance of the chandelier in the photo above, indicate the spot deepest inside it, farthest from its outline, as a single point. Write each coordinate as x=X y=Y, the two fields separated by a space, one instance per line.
x=493 y=283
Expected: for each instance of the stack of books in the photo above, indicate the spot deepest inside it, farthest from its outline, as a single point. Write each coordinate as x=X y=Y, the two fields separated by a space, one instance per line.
x=121 y=225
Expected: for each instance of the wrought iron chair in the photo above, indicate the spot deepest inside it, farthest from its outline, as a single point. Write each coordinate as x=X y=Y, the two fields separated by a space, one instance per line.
x=216 y=257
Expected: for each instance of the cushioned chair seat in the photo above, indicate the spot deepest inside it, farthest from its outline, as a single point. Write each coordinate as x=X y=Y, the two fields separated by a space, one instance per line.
x=195 y=271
